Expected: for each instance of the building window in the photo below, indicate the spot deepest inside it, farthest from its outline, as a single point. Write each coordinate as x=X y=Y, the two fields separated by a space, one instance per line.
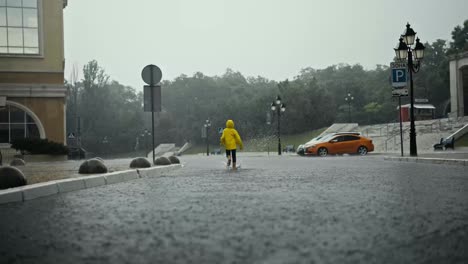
x=19 y=27
x=16 y=123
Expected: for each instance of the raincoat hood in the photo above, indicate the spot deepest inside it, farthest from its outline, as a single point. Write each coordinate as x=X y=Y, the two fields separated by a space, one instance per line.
x=230 y=124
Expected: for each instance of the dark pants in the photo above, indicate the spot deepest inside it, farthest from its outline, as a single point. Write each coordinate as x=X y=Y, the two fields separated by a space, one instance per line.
x=231 y=153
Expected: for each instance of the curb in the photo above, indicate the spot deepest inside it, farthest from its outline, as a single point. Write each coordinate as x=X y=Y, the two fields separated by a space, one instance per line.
x=33 y=191
x=459 y=162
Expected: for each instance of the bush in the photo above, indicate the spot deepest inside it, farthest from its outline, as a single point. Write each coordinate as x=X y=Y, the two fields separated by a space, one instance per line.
x=92 y=166
x=39 y=146
x=174 y=160
x=11 y=177
x=140 y=163
x=17 y=162
x=162 y=161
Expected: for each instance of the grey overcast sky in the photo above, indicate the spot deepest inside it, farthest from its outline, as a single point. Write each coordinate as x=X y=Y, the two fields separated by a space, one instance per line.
x=271 y=38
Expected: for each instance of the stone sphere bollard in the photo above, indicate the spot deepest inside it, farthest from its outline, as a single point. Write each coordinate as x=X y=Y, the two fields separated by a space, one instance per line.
x=17 y=162
x=92 y=166
x=162 y=161
x=11 y=177
x=174 y=160
x=140 y=163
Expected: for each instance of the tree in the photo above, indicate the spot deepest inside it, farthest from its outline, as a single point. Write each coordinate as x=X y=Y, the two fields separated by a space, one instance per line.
x=432 y=81
x=372 y=109
x=459 y=39
x=108 y=110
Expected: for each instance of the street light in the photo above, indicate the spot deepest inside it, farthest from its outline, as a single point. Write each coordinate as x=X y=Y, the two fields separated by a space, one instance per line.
x=405 y=52
x=145 y=136
x=348 y=99
x=207 y=126
x=279 y=108
x=105 y=142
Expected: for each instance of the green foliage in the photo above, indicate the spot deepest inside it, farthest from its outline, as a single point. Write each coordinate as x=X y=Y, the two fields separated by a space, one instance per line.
x=372 y=108
x=107 y=110
x=432 y=81
x=39 y=146
x=460 y=39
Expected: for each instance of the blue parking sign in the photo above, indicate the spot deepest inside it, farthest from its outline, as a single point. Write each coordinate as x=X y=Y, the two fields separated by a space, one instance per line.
x=399 y=74
x=399 y=77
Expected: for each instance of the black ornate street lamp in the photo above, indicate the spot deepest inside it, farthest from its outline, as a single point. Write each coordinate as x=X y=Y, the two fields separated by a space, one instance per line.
x=405 y=52
x=146 y=133
x=279 y=108
x=207 y=125
x=105 y=143
x=348 y=99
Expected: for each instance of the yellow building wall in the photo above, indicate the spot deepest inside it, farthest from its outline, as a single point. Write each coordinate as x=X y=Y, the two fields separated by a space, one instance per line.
x=51 y=39
x=31 y=78
x=41 y=70
x=51 y=112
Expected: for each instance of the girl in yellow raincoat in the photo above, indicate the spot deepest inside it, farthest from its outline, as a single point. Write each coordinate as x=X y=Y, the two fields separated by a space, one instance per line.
x=230 y=139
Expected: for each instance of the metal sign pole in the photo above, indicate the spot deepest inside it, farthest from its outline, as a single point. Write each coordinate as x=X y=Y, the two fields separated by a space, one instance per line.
x=279 y=129
x=401 y=126
x=152 y=111
x=151 y=75
x=207 y=146
x=399 y=83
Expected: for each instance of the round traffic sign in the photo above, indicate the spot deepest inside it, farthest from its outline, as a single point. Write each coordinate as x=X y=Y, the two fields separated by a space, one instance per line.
x=151 y=74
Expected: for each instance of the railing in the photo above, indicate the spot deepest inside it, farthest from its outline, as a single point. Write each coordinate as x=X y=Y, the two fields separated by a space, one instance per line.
x=395 y=137
x=388 y=134
x=442 y=126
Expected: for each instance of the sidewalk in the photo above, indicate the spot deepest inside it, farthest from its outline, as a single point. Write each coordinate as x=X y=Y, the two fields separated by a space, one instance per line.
x=37 y=172
x=459 y=156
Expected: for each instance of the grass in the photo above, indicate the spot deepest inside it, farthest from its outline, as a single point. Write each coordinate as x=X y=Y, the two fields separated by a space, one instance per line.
x=462 y=142
x=266 y=143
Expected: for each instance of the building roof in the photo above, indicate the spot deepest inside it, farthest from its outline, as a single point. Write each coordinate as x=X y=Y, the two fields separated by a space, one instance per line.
x=418 y=106
x=458 y=56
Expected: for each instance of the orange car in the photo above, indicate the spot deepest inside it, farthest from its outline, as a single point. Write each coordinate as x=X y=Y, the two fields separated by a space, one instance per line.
x=341 y=144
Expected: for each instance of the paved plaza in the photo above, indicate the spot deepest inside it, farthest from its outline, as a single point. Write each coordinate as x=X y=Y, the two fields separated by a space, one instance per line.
x=36 y=172
x=286 y=209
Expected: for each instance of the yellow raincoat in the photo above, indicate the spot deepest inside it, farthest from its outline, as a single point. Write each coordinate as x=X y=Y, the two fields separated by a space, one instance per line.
x=230 y=138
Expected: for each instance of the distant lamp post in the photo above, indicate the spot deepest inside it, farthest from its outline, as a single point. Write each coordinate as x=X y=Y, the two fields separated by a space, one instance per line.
x=105 y=142
x=146 y=134
x=207 y=127
x=404 y=51
x=268 y=122
x=279 y=108
x=348 y=99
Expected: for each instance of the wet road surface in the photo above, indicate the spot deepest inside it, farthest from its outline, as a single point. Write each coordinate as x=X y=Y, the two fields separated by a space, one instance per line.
x=273 y=210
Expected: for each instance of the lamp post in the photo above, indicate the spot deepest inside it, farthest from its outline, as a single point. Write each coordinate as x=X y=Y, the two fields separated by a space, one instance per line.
x=348 y=99
x=404 y=51
x=207 y=126
x=105 y=142
x=279 y=108
x=268 y=122
x=145 y=136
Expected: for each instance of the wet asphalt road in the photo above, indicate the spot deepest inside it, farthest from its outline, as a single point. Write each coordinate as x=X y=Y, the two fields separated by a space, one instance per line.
x=273 y=210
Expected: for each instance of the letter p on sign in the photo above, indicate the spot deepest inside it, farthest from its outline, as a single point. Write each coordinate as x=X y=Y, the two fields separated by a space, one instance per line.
x=399 y=77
